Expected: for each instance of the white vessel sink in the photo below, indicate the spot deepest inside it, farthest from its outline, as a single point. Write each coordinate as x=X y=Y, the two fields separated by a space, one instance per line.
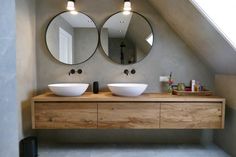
x=68 y=89
x=127 y=89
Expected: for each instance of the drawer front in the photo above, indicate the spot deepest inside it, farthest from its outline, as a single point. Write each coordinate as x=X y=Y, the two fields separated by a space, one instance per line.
x=57 y=115
x=128 y=115
x=191 y=115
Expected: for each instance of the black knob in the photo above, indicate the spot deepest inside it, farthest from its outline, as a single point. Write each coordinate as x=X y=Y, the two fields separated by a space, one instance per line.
x=126 y=71
x=80 y=71
x=72 y=71
x=133 y=71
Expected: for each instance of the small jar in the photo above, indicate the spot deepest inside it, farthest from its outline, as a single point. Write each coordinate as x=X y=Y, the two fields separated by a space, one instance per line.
x=181 y=87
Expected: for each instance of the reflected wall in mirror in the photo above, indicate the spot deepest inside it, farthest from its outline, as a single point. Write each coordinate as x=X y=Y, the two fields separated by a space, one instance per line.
x=72 y=39
x=126 y=39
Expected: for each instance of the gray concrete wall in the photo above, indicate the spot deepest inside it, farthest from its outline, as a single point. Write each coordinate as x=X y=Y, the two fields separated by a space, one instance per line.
x=8 y=105
x=200 y=34
x=226 y=87
x=169 y=53
x=104 y=40
x=17 y=72
x=53 y=34
x=25 y=63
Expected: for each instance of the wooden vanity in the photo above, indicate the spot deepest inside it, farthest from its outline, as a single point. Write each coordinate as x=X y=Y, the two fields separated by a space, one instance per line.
x=148 y=111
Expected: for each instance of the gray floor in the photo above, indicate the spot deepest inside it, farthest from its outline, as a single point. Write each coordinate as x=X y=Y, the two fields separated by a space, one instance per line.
x=131 y=151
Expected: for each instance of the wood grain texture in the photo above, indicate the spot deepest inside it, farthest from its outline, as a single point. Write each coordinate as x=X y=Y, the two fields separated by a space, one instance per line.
x=65 y=115
x=33 y=114
x=191 y=115
x=108 y=97
x=104 y=110
x=128 y=115
x=223 y=115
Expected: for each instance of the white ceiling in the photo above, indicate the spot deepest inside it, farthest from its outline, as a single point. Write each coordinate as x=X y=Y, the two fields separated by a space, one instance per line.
x=198 y=33
x=118 y=25
x=79 y=20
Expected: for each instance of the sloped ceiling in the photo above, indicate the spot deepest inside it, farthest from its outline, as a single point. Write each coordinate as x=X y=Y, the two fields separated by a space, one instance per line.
x=198 y=33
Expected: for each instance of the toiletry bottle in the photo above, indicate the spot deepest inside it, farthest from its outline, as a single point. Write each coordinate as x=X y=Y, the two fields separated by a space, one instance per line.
x=193 y=83
x=95 y=87
x=198 y=86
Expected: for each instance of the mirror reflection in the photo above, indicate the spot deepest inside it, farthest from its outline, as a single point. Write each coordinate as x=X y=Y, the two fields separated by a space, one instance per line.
x=126 y=39
x=72 y=39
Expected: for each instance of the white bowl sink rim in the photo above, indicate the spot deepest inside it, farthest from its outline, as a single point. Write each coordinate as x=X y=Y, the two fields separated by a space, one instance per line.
x=68 y=89
x=127 y=84
x=127 y=89
x=67 y=84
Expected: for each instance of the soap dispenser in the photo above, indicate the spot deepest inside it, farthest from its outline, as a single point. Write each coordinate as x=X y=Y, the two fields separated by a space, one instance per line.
x=95 y=87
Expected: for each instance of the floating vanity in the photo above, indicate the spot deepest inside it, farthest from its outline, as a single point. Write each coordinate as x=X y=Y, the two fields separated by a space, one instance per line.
x=148 y=111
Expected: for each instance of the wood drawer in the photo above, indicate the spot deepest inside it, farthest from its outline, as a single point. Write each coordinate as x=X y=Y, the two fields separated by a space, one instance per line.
x=128 y=115
x=192 y=115
x=64 y=115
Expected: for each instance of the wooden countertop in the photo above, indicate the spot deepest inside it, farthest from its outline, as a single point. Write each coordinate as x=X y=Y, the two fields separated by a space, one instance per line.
x=108 y=97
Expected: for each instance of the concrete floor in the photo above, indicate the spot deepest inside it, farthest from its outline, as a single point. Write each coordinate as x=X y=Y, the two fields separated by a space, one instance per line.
x=131 y=151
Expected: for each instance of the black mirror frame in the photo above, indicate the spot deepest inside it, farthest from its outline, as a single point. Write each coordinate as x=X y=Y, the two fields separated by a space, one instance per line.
x=150 y=28
x=45 y=38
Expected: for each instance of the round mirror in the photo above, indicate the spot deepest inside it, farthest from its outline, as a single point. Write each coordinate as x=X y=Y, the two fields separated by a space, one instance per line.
x=126 y=39
x=72 y=38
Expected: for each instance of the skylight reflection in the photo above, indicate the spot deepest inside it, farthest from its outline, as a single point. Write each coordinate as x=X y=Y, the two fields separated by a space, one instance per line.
x=149 y=39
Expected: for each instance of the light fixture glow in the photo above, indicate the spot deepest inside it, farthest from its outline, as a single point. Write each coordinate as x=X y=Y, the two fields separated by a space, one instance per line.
x=70 y=5
x=74 y=12
x=126 y=12
x=127 y=7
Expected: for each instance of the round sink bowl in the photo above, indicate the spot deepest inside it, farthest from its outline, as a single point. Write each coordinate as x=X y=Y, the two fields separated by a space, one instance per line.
x=127 y=89
x=68 y=89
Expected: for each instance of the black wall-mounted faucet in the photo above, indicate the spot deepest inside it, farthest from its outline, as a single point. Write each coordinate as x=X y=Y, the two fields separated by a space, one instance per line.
x=133 y=71
x=126 y=71
x=79 y=71
x=72 y=71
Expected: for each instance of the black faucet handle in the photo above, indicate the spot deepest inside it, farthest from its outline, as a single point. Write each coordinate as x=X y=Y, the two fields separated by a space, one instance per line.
x=79 y=71
x=72 y=71
x=133 y=71
x=126 y=71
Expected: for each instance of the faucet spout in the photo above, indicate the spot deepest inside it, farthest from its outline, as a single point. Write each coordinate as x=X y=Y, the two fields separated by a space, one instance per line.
x=72 y=71
x=126 y=71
